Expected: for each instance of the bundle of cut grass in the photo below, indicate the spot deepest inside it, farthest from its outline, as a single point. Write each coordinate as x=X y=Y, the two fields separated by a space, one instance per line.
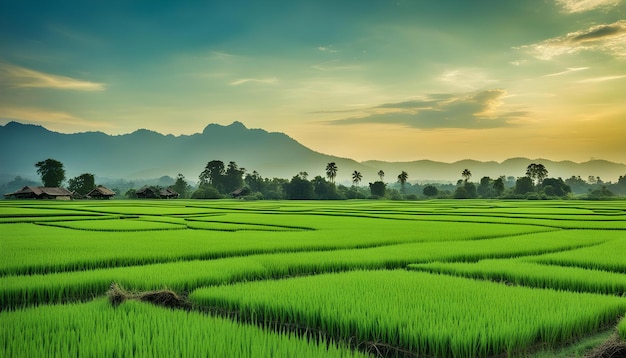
x=166 y=298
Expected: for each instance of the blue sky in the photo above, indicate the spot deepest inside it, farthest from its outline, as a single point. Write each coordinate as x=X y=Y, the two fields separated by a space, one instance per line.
x=371 y=79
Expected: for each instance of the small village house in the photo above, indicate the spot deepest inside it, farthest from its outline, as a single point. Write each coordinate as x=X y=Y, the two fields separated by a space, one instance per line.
x=40 y=192
x=101 y=192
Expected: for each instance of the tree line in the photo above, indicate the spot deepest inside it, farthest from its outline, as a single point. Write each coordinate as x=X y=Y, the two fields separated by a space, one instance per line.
x=219 y=180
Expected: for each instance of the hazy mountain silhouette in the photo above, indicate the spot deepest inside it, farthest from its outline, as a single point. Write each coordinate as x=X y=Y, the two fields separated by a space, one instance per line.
x=148 y=154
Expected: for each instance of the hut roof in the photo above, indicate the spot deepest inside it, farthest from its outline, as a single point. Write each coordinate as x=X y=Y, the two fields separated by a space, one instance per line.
x=168 y=192
x=55 y=191
x=102 y=191
x=145 y=189
x=41 y=190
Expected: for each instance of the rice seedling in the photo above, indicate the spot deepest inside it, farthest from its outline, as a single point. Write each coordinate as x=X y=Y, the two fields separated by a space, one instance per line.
x=116 y=225
x=609 y=256
x=135 y=329
x=187 y=275
x=225 y=226
x=29 y=249
x=86 y=245
x=533 y=274
x=427 y=314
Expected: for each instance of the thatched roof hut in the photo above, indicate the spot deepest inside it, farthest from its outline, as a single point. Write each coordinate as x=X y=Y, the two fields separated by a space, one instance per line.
x=150 y=192
x=40 y=192
x=101 y=192
x=168 y=194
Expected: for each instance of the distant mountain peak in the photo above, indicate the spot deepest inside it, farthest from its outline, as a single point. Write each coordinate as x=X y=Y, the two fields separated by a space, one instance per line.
x=146 y=132
x=146 y=153
x=237 y=124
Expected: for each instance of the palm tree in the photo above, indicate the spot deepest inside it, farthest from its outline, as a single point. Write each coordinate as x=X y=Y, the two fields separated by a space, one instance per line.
x=402 y=178
x=466 y=174
x=331 y=171
x=356 y=177
x=381 y=174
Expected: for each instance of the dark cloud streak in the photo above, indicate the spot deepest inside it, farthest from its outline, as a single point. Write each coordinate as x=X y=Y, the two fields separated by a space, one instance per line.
x=472 y=110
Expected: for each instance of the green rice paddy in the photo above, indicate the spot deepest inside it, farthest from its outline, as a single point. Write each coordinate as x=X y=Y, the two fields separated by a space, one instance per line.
x=297 y=278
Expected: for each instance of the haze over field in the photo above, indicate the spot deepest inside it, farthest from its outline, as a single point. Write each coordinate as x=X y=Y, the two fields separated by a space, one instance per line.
x=146 y=154
x=367 y=80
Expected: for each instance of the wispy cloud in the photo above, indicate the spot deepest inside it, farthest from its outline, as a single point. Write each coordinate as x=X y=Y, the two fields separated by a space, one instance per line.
x=467 y=78
x=326 y=49
x=517 y=62
x=253 y=80
x=334 y=65
x=602 y=79
x=218 y=55
x=607 y=38
x=568 y=71
x=21 y=77
x=574 y=6
x=479 y=109
x=44 y=116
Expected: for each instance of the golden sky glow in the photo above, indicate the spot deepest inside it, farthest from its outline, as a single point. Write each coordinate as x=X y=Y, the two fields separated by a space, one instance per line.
x=374 y=79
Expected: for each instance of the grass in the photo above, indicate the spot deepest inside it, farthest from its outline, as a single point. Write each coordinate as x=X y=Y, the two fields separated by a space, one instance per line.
x=19 y=290
x=609 y=256
x=520 y=272
x=325 y=252
x=420 y=312
x=135 y=329
x=38 y=249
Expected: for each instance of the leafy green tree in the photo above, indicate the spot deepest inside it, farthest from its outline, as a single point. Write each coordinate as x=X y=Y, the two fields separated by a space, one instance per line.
x=466 y=174
x=498 y=185
x=471 y=190
x=381 y=174
x=378 y=189
x=299 y=189
x=430 y=191
x=461 y=193
x=275 y=189
x=485 y=188
x=331 y=171
x=577 y=184
x=181 y=186
x=254 y=181
x=402 y=178
x=131 y=193
x=555 y=187
x=356 y=177
x=233 y=177
x=351 y=192
x=466 y=191
x=600 y=193
x=82 y=184
x=324 y=190
x=206 y=191
x=536 y=172
x=212 y=173
x=51 y=171
x=524 y=185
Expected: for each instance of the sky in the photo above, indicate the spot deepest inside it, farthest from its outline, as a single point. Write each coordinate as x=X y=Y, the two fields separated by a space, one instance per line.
x=386 y=80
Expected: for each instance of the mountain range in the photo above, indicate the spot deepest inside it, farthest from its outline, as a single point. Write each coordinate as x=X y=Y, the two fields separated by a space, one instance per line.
x=148 y=154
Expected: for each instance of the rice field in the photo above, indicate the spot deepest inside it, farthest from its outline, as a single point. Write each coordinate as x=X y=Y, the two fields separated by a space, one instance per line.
x=441 y=278
x=427 y=314
x=136 y=329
